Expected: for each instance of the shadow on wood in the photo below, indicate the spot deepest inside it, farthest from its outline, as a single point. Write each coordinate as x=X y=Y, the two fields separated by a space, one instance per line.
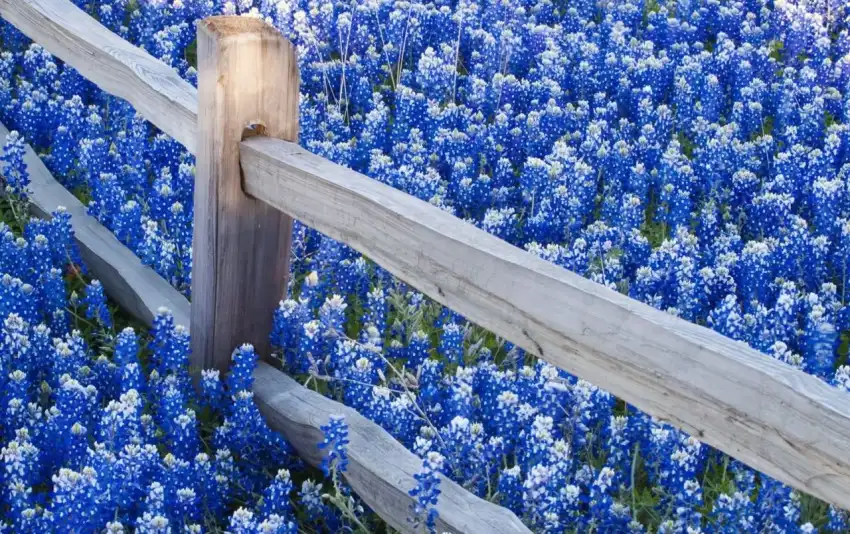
x=774 y=418
x=248 y=75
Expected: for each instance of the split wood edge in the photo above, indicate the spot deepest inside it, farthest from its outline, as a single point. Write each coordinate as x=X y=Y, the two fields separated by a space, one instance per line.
x=248 y=75
x=380 y=469
x=136 y=287
x=153 y=88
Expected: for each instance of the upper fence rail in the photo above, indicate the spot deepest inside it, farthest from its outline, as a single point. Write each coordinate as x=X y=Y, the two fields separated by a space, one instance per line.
x=116 y=66
x=771 y=416
x=777 y=419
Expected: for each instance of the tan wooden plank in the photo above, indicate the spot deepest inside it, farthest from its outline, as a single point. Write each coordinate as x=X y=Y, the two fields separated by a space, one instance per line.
x=136 y=287
x=118 y=67
x=380 y=469
x=781 y=421
x=248 y=75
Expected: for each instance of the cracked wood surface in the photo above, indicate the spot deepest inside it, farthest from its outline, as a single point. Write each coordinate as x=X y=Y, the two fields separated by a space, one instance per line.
x=384 y=469
x=248 y=75
x=380 y=470
x=116 y=66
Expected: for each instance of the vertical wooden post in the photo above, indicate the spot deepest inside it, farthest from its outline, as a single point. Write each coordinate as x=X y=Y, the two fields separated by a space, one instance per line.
x=247 y=77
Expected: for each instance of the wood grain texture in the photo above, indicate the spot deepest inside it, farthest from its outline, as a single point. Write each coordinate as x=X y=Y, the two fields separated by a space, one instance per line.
x=380 y=469
x=136 y=287
x=776 y=419
x=118 y=67
x=248 y=75
x=141 y=292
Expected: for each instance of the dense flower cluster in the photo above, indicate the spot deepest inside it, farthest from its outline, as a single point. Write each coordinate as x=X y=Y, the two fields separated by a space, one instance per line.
x=104 y=432
x=694 y=155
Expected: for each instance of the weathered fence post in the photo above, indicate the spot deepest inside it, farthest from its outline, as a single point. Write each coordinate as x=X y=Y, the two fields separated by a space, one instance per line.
x=247 y=77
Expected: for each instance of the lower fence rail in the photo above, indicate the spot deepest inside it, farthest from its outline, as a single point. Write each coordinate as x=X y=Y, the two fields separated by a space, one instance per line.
x=137 y=288
x=380 y=469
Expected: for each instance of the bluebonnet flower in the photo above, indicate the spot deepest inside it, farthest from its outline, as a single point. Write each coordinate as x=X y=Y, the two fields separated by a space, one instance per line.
x=310 y=347
x=185 y=439
x=311 y=499
x=820 y=350
x=451 y=343
x=427 y=492
x=837 y=520
x=336 y=441
x=61 y=238
x=74 y=503
x=242 y=522
x=276 y=496
x=212 y=390
x=732 y=514
x=15 y=174
x=675 y=153
x=778 y=507
x=376 y=310
x=538 y=498
x=276 y=524
x=332 y=313
x=289 y=320
x=510 y=489
x=241 y=372
x=95 y=302
x=418 y=349
x=126 y=347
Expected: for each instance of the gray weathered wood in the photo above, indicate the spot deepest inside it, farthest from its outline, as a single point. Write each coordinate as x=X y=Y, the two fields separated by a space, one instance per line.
x=779 y=420
x=136 y=287
x=248 y=75
x=141 y=292
x=380 y=469
x=118 y=67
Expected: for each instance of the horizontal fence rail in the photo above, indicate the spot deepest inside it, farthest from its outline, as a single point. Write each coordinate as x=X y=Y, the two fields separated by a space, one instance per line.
x=290 y=408
x=380 y=469
x=777 y=419
x=116 y=66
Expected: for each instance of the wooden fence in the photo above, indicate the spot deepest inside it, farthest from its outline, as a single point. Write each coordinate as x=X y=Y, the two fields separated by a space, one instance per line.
x=776 y=419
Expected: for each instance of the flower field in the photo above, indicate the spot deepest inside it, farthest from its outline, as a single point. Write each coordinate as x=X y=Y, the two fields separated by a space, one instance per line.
x=691 y=154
